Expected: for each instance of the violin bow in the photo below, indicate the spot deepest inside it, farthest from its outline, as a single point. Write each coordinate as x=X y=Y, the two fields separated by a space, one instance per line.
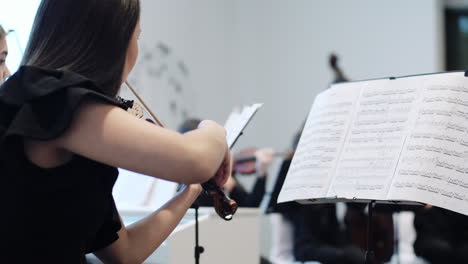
x=147 y=109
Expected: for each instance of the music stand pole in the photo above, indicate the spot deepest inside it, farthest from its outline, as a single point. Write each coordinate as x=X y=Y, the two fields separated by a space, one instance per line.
x=198 y=249
x=369 y=257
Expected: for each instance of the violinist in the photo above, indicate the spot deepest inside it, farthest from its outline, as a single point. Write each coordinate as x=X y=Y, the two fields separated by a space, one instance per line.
x=63 y=135
x=4 y=72
x=250 y=161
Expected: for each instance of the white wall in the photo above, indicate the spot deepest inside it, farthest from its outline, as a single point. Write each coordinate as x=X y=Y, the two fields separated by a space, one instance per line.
x=198 y=33
x=284 y=46
x=17 y=15
x=276 y=52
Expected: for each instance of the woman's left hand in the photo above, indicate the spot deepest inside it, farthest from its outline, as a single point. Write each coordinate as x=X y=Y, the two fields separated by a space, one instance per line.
x=225 y=170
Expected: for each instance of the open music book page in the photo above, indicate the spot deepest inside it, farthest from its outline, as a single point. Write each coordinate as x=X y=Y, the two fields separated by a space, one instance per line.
x=433 y=166
x=405 y=139
x=382 y=119
x=237 y=121
x=314 y=162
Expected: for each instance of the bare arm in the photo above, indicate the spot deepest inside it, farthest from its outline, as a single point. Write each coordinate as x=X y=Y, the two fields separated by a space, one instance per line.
x=110 y=135
x=139 y=240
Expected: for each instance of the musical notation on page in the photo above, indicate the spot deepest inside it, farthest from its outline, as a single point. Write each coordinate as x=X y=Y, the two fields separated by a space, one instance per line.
x=237 y=121
x=320 y=144
x=376 y=137
x=400 y=139
x=432 y=167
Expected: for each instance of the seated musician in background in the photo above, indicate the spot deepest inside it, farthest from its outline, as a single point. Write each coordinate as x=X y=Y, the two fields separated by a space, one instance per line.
x=4 y=72
x=262 y=159
x=441 y=235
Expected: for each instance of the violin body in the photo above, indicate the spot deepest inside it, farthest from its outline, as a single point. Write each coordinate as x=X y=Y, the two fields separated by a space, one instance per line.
x=244 y=161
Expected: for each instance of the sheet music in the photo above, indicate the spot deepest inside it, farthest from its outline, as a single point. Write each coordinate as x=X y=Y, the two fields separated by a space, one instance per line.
x=237 y=121
x=433 y=167
x=375 y=139
x=404 y=139
x=315 y=159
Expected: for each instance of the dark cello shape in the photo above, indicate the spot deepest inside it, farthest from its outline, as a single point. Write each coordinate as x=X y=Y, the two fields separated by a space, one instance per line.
x=337 y=72
x=225 y=207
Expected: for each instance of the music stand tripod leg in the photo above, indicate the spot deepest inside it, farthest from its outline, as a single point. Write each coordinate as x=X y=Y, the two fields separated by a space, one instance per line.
x=198 y=249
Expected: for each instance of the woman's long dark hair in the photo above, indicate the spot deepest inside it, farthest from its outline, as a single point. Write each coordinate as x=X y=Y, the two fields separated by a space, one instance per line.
x=88 y=37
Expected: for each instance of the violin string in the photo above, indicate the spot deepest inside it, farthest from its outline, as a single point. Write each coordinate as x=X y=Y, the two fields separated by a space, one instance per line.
x=143 y=104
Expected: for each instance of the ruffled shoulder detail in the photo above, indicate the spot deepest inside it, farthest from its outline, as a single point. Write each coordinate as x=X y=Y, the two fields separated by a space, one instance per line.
x=40 y=104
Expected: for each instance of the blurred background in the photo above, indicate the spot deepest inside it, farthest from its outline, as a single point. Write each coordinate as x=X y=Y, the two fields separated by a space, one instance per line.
x=203 y=58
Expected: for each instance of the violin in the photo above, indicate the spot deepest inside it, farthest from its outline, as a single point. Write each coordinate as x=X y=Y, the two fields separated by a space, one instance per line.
x=224 y=206
x=245 y=160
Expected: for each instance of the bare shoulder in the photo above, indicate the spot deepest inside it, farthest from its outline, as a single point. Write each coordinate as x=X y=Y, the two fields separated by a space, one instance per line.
x=50 y=153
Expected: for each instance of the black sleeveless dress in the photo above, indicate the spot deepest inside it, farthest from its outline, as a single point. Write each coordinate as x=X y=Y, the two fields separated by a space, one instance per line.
x=52 y=215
